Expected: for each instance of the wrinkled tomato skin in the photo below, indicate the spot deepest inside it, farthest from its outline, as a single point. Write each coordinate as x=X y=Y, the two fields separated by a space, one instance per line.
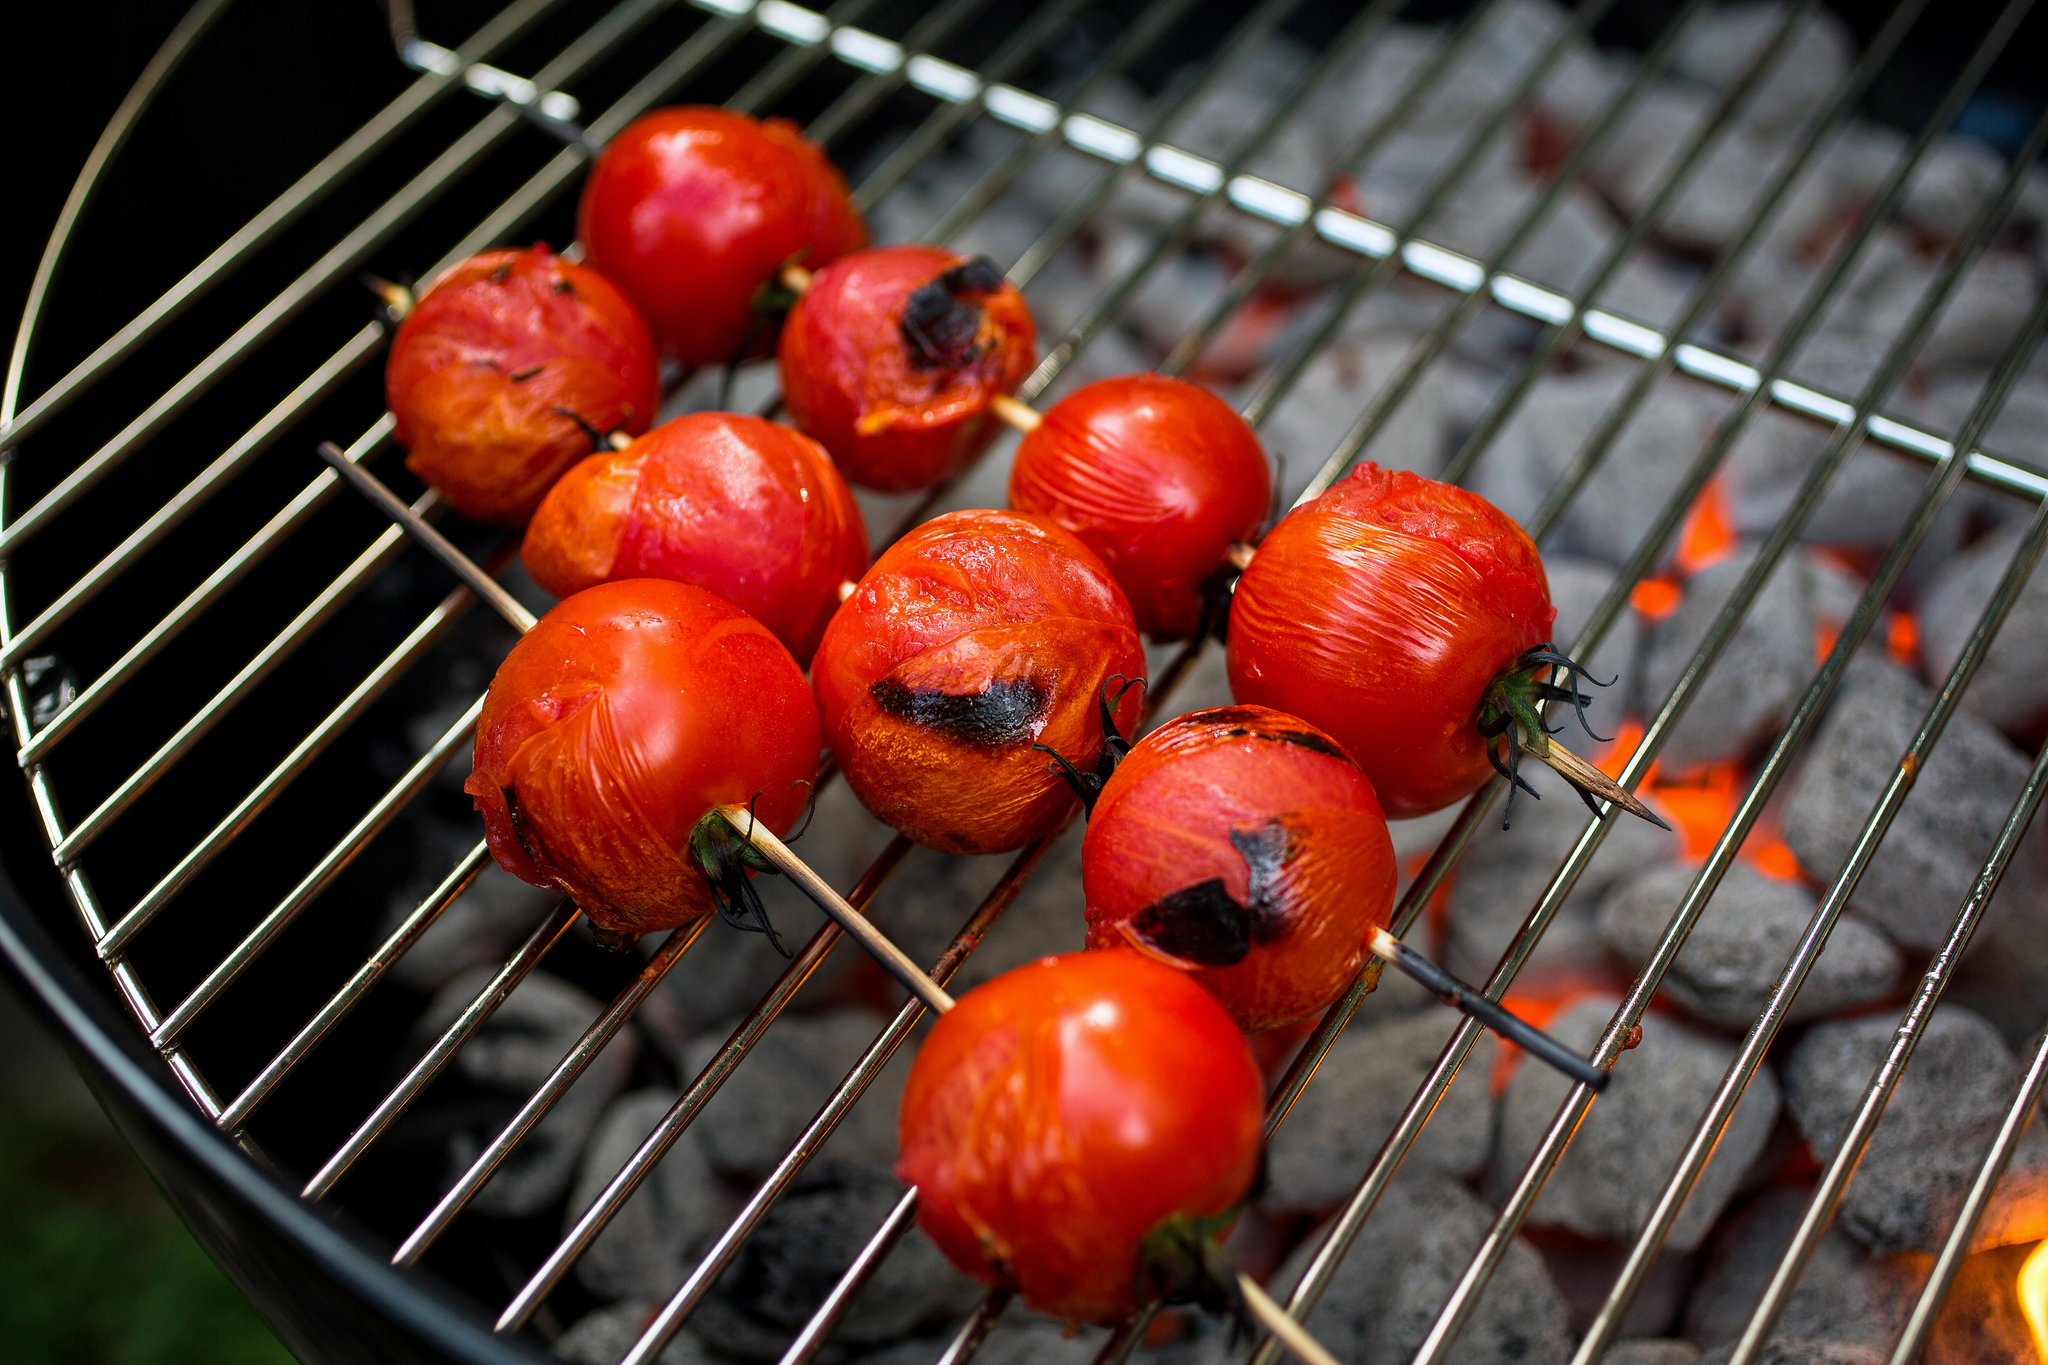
x=972 y=638
x=848 y=379
x=690 y=210
x=739 y=506
x=489 y=361
x=1061 y=1111
x=616 y=724
x=1161 y=836
x=1158 y=477
x=1380 y=612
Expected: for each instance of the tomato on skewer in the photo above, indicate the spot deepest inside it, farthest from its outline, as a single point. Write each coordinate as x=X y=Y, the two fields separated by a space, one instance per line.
x=1076 y=1125
x=511 y=367
x=1411 y=620
x=612 y=733
x=745 y=508
x=1159 y=477
x=691 y=210
x=974 y=642
x=892 y=356
x=1245 y=847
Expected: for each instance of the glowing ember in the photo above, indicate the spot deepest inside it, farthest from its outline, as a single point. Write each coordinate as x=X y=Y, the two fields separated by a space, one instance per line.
x=1709 y=535
x=1699 y=805
x=2033 y=1291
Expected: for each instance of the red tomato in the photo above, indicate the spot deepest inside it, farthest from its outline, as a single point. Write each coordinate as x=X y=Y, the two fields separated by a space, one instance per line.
x=1382 y=612
x=1158 y=477
x=891 y=358
x=615 y=726
x=1060 y=1113
x=692 y=209
x=739 y=506
x=502 y=370
x=973 y=638
x=1244 y=846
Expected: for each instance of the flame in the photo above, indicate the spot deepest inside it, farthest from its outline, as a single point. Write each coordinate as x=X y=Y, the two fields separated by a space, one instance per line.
x=2033 y=1292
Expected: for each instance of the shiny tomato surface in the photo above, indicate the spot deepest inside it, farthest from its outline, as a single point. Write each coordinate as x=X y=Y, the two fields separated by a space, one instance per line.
x=495 y=364
x=616 y=724
x=1380 y=612
x=891 y=358
x=1158 y=477
x=1058 y=1113
x=692 y=209
x=972 y=638
x=745 y=508
x=1244 y=846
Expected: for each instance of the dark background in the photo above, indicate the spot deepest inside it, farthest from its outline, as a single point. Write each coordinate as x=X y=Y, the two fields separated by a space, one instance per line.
x=92 y=1265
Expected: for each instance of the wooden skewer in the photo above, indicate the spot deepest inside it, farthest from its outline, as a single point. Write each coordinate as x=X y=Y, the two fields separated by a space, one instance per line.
x=1017 y=413
x=795 y=278
x=1588 y=778
x=1491 y=1013
x=1285 y=1329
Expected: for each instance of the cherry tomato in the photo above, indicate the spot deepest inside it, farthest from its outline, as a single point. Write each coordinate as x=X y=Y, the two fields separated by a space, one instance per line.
x=1158 y=477
x=739 y=506
x=892 y=355
x=1383 y=612
x=614 y=727
x=692 y=209
x=974 y=638
x=1246 y=847
x=504 y=369
x=1060 y=1113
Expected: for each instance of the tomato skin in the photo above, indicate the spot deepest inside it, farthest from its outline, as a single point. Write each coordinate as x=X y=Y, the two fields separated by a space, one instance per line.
x=1164 y=825
x=1158 y=477
x=1056 y=1114
x=741 y=507
x=971 y=638
x=849 y=377
x=489 y=353
x=1380 y=612
x=692 y=209
x=616 y=723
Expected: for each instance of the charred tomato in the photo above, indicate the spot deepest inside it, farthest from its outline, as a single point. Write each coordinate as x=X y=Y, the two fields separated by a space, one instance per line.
x=1157 y=476
x=509 y=369
x=613 y=729
x=691 y=210
x=974 y=642
x=745 y=508
x=1063 y=1116
x=892 y=355
x=1393 y=612
x=1244 y=846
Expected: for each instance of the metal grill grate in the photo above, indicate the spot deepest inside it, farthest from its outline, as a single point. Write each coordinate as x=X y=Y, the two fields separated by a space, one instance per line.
x=877 y=77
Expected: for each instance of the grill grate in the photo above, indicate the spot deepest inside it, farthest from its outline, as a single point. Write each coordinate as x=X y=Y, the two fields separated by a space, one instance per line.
x=883 y=75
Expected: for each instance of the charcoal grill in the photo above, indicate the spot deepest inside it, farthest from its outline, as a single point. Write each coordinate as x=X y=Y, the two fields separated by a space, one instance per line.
x=254 y=683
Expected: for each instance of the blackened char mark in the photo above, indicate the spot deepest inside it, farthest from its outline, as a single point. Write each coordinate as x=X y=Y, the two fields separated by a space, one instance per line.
x=1202 y=924
x=1264 y=851
x=1005 y=712
x=940 y=321
x=1312 y=742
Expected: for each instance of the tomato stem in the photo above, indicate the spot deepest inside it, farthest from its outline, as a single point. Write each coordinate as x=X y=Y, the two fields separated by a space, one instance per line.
x=727 y=859
x=1511 y=704
x=1088 y=786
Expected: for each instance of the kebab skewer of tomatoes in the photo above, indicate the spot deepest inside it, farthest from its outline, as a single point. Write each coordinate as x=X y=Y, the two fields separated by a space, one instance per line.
x=1408 y=617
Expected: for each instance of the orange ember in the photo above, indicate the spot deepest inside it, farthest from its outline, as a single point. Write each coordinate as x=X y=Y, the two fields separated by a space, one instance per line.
x=1902 y=639
x=1709 y=534
x=1538 y=1006
x=1700 y=804
x=1656 y=598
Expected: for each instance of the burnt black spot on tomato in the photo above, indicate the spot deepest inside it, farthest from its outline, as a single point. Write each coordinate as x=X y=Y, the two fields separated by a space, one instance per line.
x=1314 y=743
x=1004 y=712
x=521 y=376
x=501 y=272
x=940 y=322
x=563 y=286
x=1202 y=924
x=1264 y=851
x=520 y=832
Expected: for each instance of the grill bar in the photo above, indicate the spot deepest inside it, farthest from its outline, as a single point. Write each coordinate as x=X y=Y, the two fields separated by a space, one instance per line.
x=964 y=95
x=1551 y=1149
x=2017 y=1116
x=309 y=189
x=1742 y=1068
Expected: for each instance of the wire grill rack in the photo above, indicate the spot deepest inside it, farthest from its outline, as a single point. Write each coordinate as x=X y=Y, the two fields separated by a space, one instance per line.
x=912 y=79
